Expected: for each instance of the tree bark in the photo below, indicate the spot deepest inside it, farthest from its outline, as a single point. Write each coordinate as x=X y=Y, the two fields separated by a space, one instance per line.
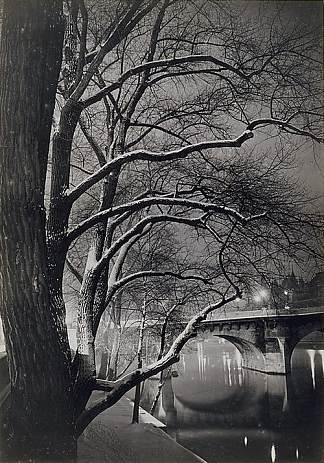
x=39 y=422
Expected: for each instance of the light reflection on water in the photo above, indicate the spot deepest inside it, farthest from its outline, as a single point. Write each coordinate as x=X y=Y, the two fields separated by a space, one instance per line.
x=273 y=453
x=311 y=354
x=225 y=413
x=297 y=453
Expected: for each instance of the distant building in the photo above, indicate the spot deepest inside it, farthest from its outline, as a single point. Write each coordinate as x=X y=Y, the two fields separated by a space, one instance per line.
x=289 y=293
x=316 y=285
x=293 y=292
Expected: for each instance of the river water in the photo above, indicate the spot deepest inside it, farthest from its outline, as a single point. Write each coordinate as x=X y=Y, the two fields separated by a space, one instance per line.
x=225 y=413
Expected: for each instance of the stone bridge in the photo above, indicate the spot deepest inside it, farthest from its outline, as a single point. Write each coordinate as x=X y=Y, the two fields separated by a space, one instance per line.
x=266 y=342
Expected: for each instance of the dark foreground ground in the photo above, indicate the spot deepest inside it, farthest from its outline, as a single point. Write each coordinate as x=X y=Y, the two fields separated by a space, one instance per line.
x=111 y=438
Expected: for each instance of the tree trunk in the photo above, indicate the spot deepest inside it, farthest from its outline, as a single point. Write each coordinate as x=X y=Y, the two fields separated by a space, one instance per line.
x=104 y=354
x=115 y=341
x=168 y=404
x=158 y=393
x=102 y=374
x=39 y=422
x=137 y=398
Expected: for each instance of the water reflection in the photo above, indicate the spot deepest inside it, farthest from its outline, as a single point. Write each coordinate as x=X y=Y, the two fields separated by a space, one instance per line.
x=228 y=414
x=273 y=453
x=321 y=354
x=297 y=453
x=311 y=354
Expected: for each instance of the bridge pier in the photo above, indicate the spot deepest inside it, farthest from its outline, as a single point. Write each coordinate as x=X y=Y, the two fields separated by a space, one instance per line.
x=277 y=354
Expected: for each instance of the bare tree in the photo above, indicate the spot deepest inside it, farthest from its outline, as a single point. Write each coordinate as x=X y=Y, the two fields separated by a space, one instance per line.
x=147 y=90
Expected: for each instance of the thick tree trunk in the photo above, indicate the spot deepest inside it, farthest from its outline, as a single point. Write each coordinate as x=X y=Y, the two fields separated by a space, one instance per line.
x=39 y=423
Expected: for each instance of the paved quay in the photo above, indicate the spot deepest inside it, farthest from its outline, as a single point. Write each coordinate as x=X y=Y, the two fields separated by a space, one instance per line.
x=112 y=438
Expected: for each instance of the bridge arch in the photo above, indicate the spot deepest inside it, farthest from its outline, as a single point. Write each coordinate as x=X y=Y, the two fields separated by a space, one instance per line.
x=302 y=331
x=252 y=356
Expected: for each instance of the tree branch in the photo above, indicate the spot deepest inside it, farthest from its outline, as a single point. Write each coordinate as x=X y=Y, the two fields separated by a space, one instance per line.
x=132 y=17
x=152 y=273
x=284 y=125
x=151 y=127
x=117 y=389
x=83 y=43
x=135 y=206
x=74 y=271
x=144 y=155
x=92 y=142
x=163 y=64
x=139 y=228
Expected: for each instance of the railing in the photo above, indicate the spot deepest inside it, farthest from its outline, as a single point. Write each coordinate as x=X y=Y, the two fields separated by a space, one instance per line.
x=265 y=312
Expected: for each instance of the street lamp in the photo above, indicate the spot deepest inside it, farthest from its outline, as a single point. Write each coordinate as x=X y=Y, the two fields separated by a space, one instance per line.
x=288 y=296
x=261 y=298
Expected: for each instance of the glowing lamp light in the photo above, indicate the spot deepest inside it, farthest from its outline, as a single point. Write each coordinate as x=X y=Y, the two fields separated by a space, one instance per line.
x=263 y=293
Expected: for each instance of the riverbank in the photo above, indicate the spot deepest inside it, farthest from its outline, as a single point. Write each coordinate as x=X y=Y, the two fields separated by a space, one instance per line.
x=112 y=438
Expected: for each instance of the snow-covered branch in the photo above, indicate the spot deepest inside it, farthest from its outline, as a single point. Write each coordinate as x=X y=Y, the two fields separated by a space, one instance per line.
x=117 y=267
x=155 y=273
x=145 y=155
x=135 y=206
x=118 y=388
x=284 y=124
x=183 y=152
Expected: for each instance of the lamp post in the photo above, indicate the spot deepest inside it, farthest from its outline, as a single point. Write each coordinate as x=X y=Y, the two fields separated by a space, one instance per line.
x=288 y=297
